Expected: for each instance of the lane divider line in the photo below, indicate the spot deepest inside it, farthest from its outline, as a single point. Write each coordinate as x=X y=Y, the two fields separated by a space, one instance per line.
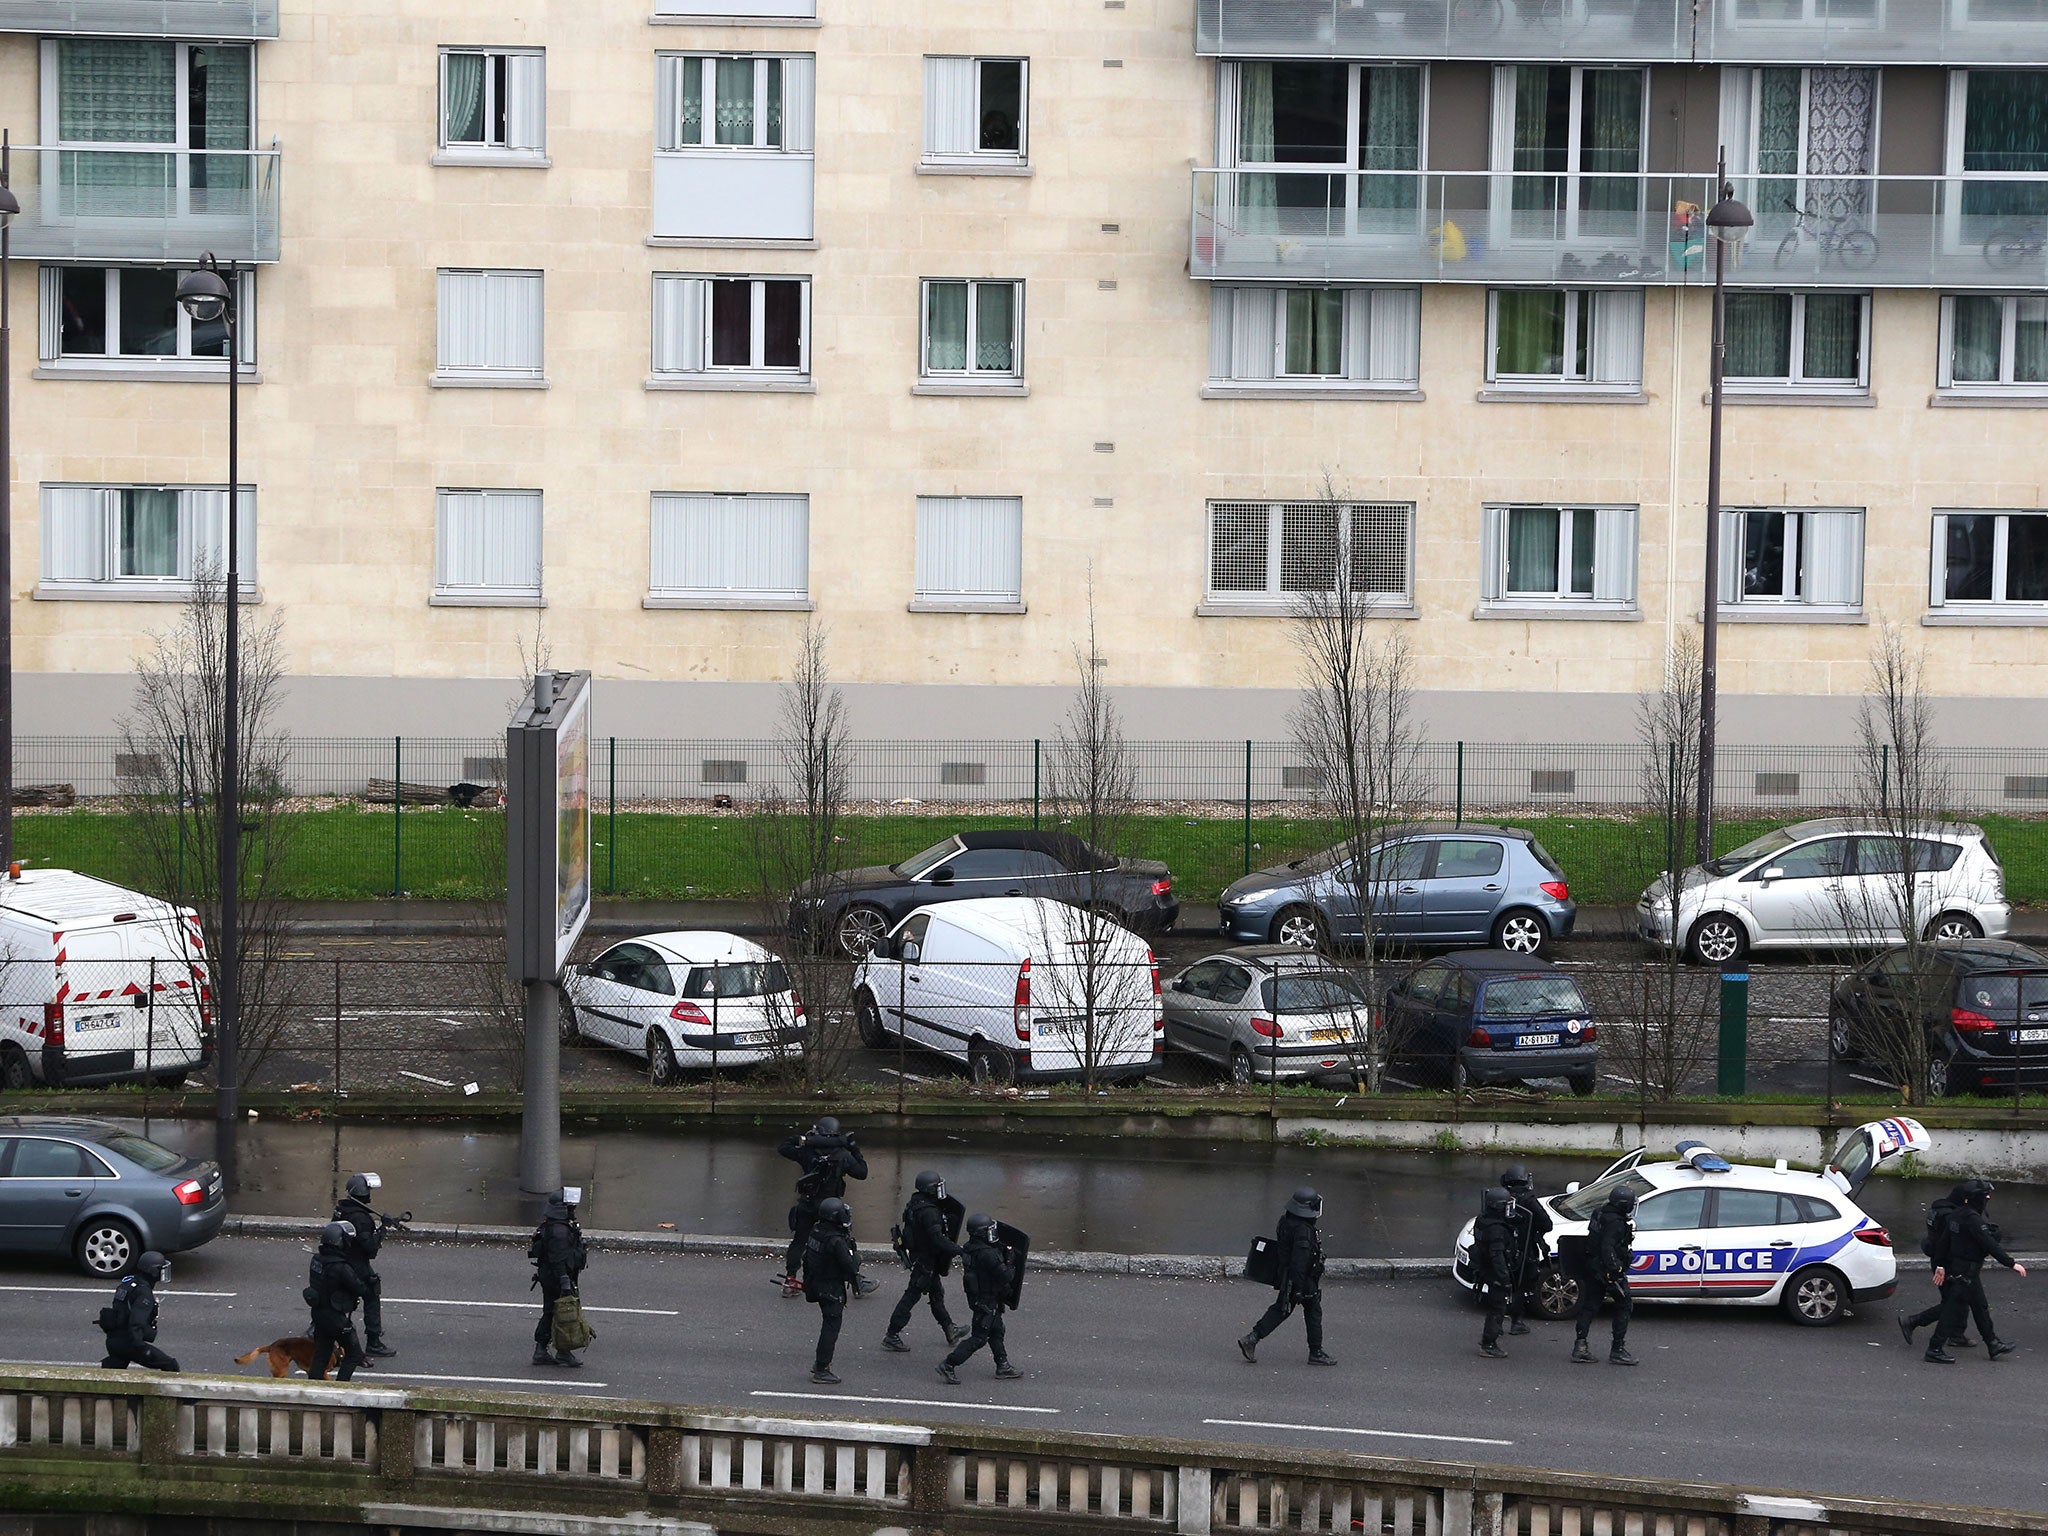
x=370 y=1378
x=1335 y=1429
x=903 y=1402
x=101 y=1290
x=517 y=1306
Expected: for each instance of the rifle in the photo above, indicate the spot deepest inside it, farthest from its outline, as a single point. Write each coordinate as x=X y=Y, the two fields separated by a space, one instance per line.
x=389 y=1223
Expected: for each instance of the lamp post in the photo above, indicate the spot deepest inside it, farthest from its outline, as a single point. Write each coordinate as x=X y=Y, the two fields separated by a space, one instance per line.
x=10 y=205
x=208 y=297
x=1728 y=224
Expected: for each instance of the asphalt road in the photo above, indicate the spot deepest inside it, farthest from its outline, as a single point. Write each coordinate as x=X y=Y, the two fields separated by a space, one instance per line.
x=1735 y=1396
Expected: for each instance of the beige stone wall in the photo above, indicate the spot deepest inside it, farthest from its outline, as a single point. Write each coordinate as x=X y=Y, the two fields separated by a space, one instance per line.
x=347 y=442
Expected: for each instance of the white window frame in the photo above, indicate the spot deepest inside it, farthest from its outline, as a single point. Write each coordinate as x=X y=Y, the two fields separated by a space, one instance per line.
x=515 y=86
x=1798 y=383
x=941 y=147
x=1616 y=540
x=81 y=537
x=2008 y=350
x=1803 y=545
x=52 y=118
x=477 y=501
x=1958 y=235
x=499 y=286
x=53 y=359
x=1827 y=13
x=667 y=530
x=1381 y=343
x=1277 y=599
x=1501 y=152
x=682 y=333
x=674 y=86
x=934 y=596
x=1599 y=307
x=971 y=376
x=1996 y=607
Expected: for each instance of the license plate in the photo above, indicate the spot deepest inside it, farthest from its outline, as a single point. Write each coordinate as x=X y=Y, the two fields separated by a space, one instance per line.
x=758 y=1037
x=1528 y=1040
x=2030 y=1036
x=1320 y=1036
x=105 y=1021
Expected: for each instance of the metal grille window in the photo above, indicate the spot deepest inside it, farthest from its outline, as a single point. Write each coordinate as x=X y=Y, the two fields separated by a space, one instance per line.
x=705 y=324
x=487 y=546
x=1322 y=337
x=1993 y=560
x=730 y=546
x=494 y=102
x=131 y=315
x=973 y=329
x=1993 y=344
x=490 y=326
x=1267 y=552
x=1808 y=557
x=970 y=551
x=734 y=102
x=1558 y=556
x=1584 y=338
x=141 y=540
x=974 y=110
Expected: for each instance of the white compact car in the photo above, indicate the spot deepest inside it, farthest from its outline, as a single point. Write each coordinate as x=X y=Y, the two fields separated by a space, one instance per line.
x=1737 y=1234
x=1829 y=883
x=685 y=1002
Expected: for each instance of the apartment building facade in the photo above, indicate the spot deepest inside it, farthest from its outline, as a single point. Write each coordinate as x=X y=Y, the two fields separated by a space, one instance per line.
x=643 y=332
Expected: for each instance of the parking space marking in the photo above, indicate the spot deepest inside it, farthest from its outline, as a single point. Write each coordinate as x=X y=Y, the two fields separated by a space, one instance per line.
x=101 y=1290
x=1875 y=1082
x=903 y=1402
x=516 y=1306
x=1341 y=1429
x=908 y=1077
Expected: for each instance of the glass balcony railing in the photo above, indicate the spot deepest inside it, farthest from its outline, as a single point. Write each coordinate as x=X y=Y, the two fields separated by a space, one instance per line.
x=108 y=203
x=142 y=18
x=1647 y=31
x=1479 y=227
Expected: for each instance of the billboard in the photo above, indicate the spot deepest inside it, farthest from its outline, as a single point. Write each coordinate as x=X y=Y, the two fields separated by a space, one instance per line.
x=547 y=829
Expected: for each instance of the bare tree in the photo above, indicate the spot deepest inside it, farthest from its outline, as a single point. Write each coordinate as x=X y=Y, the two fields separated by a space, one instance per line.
x=171 y=741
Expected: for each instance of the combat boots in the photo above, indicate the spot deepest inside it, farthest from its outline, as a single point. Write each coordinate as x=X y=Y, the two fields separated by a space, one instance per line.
x=893 y=1342
x=1581 y=1355
x=1619 y=1355
x=1936 y=1355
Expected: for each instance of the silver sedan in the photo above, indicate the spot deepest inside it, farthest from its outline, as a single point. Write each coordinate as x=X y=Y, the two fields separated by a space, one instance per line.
x=1268 y=1011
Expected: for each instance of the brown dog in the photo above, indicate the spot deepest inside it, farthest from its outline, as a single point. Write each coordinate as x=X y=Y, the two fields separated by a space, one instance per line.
x=284 y=1354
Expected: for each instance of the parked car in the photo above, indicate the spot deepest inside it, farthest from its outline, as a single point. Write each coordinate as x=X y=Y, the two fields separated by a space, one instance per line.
x=1014 y=987
x=1981 y=1006
x=99 y=984
x=1486 y=1016
x=1833 y=883
x=101 y=1193
x=685 y=1002
x=1268 y=1011
x=1461 y=885
x=855 y=908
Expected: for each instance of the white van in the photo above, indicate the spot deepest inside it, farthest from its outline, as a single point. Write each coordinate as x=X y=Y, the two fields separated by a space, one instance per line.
x=1005 y=984
x=98 y=984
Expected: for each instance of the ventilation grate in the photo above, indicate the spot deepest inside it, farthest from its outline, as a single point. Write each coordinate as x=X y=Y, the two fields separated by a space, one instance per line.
x=725 y=770
x=1777 y=785
x=2026 y=786
x=1297 y=778
x=963 y=773
x=1553 y=781
x=483 y=770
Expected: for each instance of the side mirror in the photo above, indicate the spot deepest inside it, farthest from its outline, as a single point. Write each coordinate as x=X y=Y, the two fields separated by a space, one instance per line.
x=1572 y=1188
x=911 y=952
x=881 y=949
x=943 y=875
x=1773 y=874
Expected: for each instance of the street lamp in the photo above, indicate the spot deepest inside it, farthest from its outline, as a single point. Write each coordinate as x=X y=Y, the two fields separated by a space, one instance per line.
x=208 y=297
x=1728 y=224
x=10 y=205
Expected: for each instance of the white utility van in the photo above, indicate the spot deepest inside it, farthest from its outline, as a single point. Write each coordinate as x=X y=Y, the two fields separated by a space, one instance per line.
x=98 y=984
x=1016 y=987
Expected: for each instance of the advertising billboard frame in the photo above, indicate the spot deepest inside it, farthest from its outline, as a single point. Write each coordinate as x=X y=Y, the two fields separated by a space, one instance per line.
x=548 y=868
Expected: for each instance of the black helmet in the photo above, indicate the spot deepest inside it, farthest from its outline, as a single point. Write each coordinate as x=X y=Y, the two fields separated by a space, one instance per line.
x=1516 y=1177
x=1306 y=1203
x=826 y=1126
x=1977 y=1193
x=336 y=1234
x=359 y=1186
x=152 y=1266
x=1495 y=1202
x=930 y=1182
x=981 y=1224
x=1621 y=1200
x=837 y=1212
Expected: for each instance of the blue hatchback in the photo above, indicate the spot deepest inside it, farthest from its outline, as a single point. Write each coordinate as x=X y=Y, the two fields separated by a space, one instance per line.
x=1482 y=1016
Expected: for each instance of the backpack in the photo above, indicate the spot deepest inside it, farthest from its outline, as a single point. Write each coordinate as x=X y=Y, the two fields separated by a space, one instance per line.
x=113 y=1319
x=570 y=1331
x=1934 y=1242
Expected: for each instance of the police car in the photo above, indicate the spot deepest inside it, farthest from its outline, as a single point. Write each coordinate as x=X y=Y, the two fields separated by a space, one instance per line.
x=1730 y=1234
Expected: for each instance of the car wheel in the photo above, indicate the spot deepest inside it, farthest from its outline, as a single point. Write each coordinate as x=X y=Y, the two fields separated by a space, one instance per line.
x=1520 y=932
x=859 y=926
x=1556 y=1294
x=16 y=1076
x=1583 y=1084
x=1459 y=1078
x=1717 y=939
x=662 y=1070
x=570 y=1024
x=867 y=1018
x=990 y=1064
x=1841 y=1038
x=107 y=1247
x=1940 y=1081
x=1816 y=1296
x=1240 y=1066
x=1954 y=925
x=1300 y=927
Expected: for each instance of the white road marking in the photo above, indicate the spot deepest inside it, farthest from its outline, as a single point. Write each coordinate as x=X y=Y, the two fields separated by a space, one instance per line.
x=908 y=1077
x=517 y=1306
x=422 y=1077
x=1875 y=1082
x=101 y=1290
x=1333 y=1429
x=902 y=1402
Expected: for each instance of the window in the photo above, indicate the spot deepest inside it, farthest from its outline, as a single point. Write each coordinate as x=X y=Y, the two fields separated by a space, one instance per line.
x=131 y=315
x=1803 y=341
x=735 y=102
x=1294 y=338
x=1998 y=144
x=1785 y=127
x=1808 y=557
x=38 y=1159
x=1997 y=561
x=733 y=157
x=1558 y=557
x=730 y=551
x=1584 y=338
x=974 y=111
x=1752 y=1208
x=191 y=103
x=1310 y=135
x=1822 y=860
x=738 y=329
x=490 y=327
x=1992 y=344
x=1574 y=136
x=973 y=330
x=141 y=541
x=494 y=104
x=970 y=553
x=725 y=10
x=1675 y=1210
x=1463 y=859
x=1263 y=553
x=487 y=548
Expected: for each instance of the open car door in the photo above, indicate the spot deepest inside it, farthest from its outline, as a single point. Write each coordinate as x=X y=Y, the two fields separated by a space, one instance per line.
x=1621 y=1164
x=1867 y=1148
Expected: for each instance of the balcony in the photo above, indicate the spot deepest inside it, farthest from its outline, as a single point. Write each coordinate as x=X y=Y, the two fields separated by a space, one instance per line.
x=202 y=19
x=1630 y=31
x=118 y=204
x=733 y=194
x=1635 y=231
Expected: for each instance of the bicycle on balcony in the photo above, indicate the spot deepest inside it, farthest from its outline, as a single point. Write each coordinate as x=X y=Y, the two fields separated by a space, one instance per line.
x=1843 y=241
x=2014 y=245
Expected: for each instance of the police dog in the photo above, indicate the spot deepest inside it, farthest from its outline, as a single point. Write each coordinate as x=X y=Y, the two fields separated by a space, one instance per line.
x=284 y=1354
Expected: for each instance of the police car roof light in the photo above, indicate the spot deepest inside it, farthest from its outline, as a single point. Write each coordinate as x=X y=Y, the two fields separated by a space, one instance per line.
x=1702 y=1158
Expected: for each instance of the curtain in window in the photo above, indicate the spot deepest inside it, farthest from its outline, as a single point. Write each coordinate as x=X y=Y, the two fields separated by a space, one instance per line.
x=945 y=327
x=1834 y=337
x=1257 y=196
x=1759 y=336
x=1611 y=140
x=1315 y=331
x=735 y=101
x=1976 y=337
x=1841 y=120
x=148 y=534
x=2005 y=133
x=117 y=91
x=680 y=81
x=995 y=328
x=1536 y=199
x=462 y=118
x=1528 y=331
x=1532 y=550
x=219 y=80
x=1779 y=105
x=1391 y=127
x=2030 y=341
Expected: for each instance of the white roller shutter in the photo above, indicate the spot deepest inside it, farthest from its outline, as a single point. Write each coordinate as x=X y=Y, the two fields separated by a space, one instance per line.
x=1937 y=571
x=1614 y=554
x=1253 y=333
x=489 y=541
x=1395 y=336
x=1833 y=548
x=673 y=75
x=526 y=117
x=1617 y=336
x=739 y=545
x=1492 y=530
x=1733 y=529
x=952 y=124
x=970 y=547
x=1221 y=302
x=679 y=323
x=50 y=314
x=75 y=533
x=799 y=103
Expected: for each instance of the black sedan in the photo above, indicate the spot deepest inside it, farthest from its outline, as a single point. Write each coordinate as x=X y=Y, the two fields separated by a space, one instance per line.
x=856 y=907
x=1973 y=1011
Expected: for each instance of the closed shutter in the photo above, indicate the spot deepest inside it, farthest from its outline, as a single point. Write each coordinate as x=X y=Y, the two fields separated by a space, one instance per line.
x=1252 y=333
x=1617 y=336
x=1492 y=526
x=706 y=545
x=1357 y=350
x=1733 y=530
x=673 y=74
x=1614 y=554
x=799 y=103
x=1833 y=550
x=463 y=320
x=970 y=547
x=75 y=533
x=489 y=541
x=679 y=323
x=1221 y=302
x=203 y=525
x=50 y=314
x=1937 y=564
x=527 y=116
x=1395 y=336
x=951 y=123
x=516 y=303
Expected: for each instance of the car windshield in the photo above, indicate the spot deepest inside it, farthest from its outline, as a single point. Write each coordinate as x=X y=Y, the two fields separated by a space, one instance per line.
x=1315 y=992
x=1582 y=1203
x=744 y=978
x=1750 y=852
x=931 y=858
x=1328 y=859
x=1526 y=997
x=143 y=1154
x=2003 y=998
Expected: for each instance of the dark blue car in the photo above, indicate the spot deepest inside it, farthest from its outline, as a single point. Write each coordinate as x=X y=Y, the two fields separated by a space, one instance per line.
x=1485 y=1016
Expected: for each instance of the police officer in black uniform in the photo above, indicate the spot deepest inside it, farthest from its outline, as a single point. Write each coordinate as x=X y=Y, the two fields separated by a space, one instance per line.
x=368 y=1227
x=1936 y=1247
x=130 y=1323
x=828 y=1158
x=831 y=1267
x=990 y=1282
x=1493 y=1265
x=931 y=1250
x=1610 y=1250
x=1300 y=1247
x=332 y=1290
x=1973 y=1238
x=558 y=1256
x=1529 y=1248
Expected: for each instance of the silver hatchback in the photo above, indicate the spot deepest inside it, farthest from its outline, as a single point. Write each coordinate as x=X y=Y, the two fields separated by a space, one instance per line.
x=1267 y=1011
